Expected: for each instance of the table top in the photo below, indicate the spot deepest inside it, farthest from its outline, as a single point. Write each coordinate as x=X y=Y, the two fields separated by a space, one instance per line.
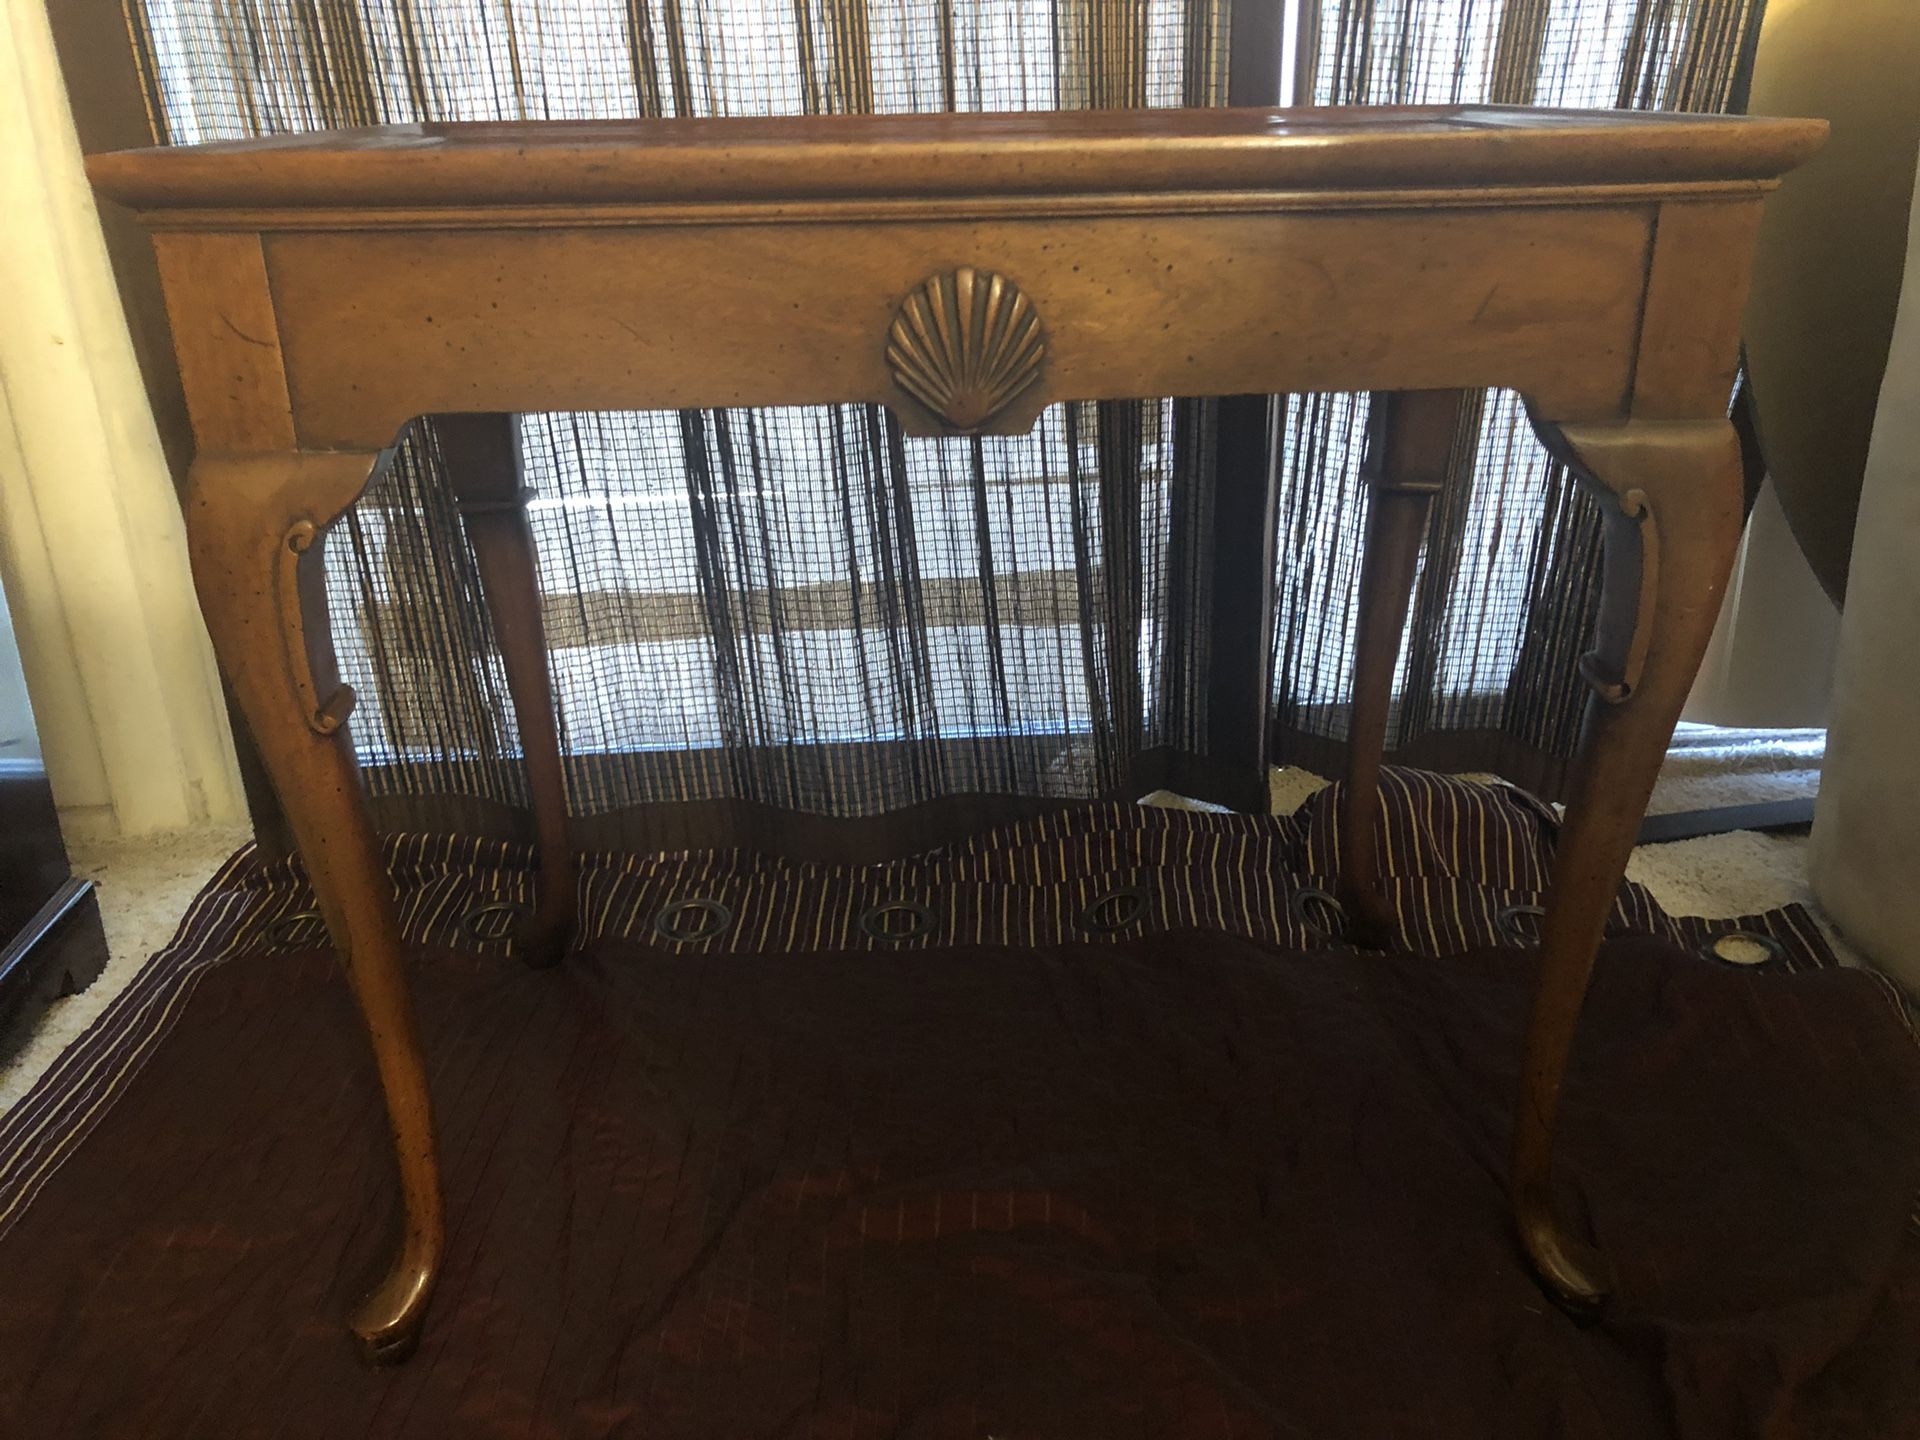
x=1036 y=153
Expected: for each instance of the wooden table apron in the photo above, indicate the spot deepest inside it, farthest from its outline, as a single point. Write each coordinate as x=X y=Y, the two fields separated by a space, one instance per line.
x=325 y=291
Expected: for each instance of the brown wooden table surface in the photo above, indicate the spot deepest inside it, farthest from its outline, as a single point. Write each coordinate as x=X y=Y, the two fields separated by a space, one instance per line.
x=966 y=271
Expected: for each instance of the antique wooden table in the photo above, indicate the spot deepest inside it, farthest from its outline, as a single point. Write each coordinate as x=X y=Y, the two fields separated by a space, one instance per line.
x=966 y=271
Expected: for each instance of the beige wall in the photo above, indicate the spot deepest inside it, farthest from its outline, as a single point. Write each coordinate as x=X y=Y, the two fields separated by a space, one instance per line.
x=92 y=550
x=1832 y=248
x=1770 y=662
x=1866 y=836
x=1826 y=280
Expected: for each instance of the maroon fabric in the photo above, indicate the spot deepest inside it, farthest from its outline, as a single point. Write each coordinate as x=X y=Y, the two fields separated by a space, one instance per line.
x=1188 y=1185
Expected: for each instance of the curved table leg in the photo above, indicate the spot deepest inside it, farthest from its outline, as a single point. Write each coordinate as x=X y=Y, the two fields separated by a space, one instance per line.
x=255 y=525
x=1673 y=492
x=1410 y=441
x=482 y=453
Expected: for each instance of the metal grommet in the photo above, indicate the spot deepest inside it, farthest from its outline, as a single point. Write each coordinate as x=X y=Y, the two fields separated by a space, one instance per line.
x=476 y=921
x=872 y=921
x=287 y=930
x=717 y=920
x=1114 y=910
x=1510 y=923
x=1745 y=949
x=1309 y=895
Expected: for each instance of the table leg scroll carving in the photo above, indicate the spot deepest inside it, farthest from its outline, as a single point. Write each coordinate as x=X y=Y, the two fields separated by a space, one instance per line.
x=1674 y=488
x=1410 y=441
x=254 y=525
x=482 y=453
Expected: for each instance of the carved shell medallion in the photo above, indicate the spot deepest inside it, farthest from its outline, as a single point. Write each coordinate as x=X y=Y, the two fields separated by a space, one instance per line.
x=965 y=344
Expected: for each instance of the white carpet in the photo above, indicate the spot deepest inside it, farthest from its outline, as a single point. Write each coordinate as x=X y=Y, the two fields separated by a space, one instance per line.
x=144 y=886
x=1708 y=767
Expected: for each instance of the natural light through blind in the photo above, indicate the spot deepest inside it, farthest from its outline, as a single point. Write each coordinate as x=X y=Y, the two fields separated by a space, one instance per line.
x=738 y=583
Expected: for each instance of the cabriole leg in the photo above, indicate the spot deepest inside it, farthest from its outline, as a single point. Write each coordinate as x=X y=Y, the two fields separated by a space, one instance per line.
x=1672 y=491
x=254 y=526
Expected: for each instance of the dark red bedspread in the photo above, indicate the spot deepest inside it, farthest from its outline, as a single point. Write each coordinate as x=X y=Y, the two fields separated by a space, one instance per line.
x=1188 y=1185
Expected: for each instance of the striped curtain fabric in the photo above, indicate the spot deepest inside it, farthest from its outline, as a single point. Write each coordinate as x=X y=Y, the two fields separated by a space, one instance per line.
x=780 y=627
